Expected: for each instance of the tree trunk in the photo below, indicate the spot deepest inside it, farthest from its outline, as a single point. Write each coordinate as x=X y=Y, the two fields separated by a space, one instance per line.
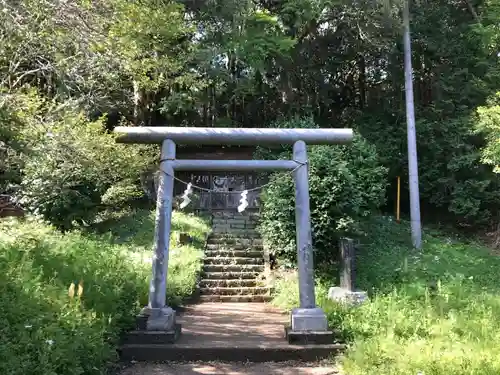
x=138 y=101
x=362 y=81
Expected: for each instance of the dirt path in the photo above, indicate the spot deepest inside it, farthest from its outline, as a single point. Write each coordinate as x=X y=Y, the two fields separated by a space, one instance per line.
x=287 y=368
x=244 y=331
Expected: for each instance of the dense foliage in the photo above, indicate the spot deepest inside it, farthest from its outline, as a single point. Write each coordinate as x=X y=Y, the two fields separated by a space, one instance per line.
x=489 y=124
x=346 y=183
x=71 y=169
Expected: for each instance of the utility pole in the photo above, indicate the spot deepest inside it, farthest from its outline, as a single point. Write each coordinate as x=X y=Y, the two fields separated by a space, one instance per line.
x=416 y=226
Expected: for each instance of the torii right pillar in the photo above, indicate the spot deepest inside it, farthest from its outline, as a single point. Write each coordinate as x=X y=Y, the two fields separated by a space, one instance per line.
x=308 y=322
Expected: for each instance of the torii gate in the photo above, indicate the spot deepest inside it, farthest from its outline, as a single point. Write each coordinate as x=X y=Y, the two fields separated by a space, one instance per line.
x=308 y=317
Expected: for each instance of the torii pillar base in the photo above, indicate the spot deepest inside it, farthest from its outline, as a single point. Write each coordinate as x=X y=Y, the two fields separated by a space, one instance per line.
x=308 y=326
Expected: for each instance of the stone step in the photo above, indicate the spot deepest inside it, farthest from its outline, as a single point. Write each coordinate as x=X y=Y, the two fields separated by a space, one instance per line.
x=229 y=275
x=238 y=226
x=234 y=253
x=235 y=283
x=223 y=228
x=237 y=246
x=226 y=332
x=223 y=291
x=144 y=337
x=238 y=219
x=232 y=260
x=202 y=353
x=235 y=223
x=233 y=268
x=235 y=298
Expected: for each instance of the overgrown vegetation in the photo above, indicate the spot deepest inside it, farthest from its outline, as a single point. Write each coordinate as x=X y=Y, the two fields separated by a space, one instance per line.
x=346 y=183
x=68 y=168
x=489 y=124
x=430 y=312
x=44 y=330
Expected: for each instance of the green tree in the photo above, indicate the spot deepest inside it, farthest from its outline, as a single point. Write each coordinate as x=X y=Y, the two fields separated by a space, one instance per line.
x=489 y=124
x=71 y=169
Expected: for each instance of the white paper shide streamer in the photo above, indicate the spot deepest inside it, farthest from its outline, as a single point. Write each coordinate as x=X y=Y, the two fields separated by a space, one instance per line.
x=243 y=201
x=185 y=196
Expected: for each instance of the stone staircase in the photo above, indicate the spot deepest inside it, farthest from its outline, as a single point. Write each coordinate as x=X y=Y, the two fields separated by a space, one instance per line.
x=234 y=264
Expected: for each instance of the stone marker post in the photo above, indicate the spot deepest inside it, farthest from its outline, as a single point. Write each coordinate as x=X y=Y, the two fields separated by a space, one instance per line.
x=347 y=292
x=347 y=266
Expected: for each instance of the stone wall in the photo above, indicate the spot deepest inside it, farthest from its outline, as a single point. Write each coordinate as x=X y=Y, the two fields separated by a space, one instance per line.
x=235 y=223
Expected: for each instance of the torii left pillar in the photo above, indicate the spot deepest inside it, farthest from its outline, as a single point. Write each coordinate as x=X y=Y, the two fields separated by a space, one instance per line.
x=161 y=317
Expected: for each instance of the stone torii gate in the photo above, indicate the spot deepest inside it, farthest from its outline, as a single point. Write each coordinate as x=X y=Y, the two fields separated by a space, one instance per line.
x=308 y=317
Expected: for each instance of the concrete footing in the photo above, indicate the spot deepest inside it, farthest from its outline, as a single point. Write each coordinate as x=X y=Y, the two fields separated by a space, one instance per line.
x=308 y=327
x=158 y=320
x=308 y=337
x=141 y=337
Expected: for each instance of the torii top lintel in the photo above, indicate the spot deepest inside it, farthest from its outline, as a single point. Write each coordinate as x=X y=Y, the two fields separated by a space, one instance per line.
x=232 y=136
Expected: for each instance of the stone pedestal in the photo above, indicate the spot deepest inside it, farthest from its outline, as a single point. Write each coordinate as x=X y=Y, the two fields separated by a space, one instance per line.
x=159 y=320
x=344 y=295
x=308 y=320
x=308 y=326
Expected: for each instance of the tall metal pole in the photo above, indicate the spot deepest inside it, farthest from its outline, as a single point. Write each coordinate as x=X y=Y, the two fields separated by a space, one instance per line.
x=416 y=227
x=303 y=229
x=158 y=286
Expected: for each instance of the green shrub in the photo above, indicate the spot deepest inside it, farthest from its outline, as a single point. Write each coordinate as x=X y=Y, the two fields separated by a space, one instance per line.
x=489 y=125
x=10 y=145
x=345 y=184
x=43 y=330
x=71 y=168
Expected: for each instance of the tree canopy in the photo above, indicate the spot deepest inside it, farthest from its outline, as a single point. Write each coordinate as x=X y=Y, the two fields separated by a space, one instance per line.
x=251 y=63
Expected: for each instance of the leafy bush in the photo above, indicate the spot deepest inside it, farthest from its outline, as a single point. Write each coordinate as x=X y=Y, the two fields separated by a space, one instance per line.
x=489 y=125
x=43 y=330
x=10 y=147
x=451 y=173
x=432 y=312
x=70 y=167
x=345 y=184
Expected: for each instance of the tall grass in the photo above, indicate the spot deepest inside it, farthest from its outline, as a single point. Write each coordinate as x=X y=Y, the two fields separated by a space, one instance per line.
x=435 y=312
x=43 y=330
